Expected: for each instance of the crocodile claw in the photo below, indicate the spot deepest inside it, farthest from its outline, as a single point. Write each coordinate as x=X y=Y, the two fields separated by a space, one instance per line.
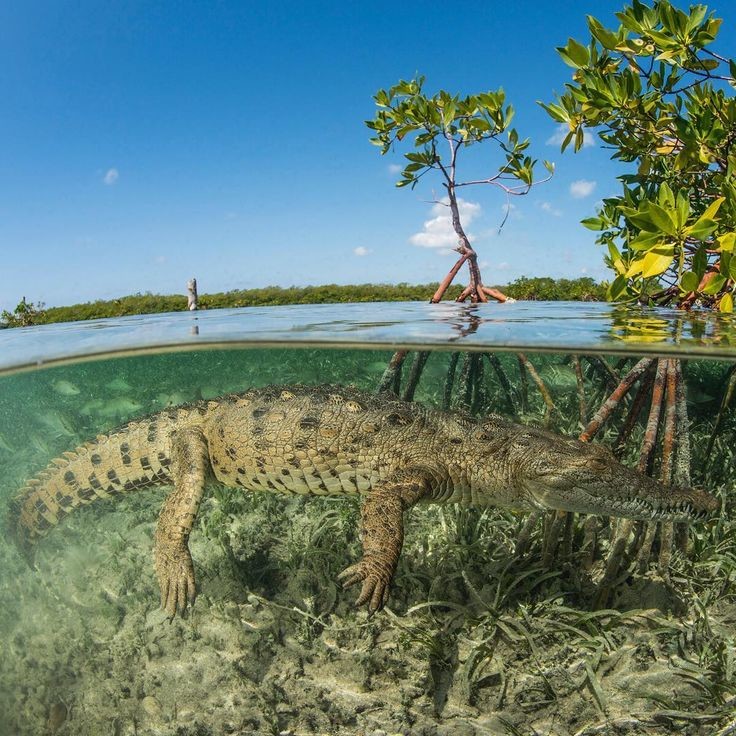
x=175 y=573
x=376 y=583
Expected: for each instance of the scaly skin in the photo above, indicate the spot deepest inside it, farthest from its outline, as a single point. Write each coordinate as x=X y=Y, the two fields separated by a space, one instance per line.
x=332 y=440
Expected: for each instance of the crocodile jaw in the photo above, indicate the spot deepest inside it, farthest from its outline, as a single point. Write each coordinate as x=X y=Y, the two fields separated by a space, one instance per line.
x=646 y=501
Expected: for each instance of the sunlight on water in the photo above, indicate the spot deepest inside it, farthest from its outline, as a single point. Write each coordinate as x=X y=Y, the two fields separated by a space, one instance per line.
x=474 y=638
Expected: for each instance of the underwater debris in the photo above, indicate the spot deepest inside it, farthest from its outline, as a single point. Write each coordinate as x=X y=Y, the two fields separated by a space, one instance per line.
x=58 y=714
x=57 y=423
x=118 y=384
x=65 y=388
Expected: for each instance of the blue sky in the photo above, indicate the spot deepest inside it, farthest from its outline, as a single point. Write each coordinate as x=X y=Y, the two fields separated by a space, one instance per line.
x=147 y=142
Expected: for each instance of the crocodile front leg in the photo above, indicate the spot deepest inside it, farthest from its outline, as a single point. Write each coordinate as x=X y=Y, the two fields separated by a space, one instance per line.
x=382 y=533
x=174 y=569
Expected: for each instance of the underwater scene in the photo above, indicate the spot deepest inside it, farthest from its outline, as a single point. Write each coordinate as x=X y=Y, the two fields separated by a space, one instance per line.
x=502 y=613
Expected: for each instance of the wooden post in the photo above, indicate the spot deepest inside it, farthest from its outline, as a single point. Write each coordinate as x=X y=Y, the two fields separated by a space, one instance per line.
x=192 y=296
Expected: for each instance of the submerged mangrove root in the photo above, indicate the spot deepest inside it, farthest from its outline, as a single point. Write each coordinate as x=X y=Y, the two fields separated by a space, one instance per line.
x=667 y=419
x=415 y=373
x=391 y=379
x=654 y=382
x=725 y=401
x=660 y=384
x=449 y=381
x=503 y=379
x=543 y=390
x=580 y=383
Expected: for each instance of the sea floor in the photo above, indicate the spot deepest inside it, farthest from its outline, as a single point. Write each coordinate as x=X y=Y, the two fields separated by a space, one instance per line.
x=273 y=646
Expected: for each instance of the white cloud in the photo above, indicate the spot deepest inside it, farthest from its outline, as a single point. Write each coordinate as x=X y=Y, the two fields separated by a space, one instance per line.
x=582 y=188
x=551 y=209
x=562 y=130
x=505 y=266
x=395 y=168
x=111 y=176
x=437 y=232
x=361 y=251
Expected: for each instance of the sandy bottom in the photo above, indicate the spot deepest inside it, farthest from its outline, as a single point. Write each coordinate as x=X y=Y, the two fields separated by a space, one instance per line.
x=273 y=646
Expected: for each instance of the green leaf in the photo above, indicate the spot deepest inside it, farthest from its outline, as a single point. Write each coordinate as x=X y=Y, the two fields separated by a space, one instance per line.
x=577 y=52
x=726 y=242
x=662 y=219
x=715 y=285
x=654 y=263
x=690 y=281
x=618 y=288
x=701 y=229
x=606 y=38
x=556 y=112
x=643 y=221
x=616 y=261
x=593 y=223
x=700 y=261
x=665 y=197
x=646 y=241
x=726 y=303
x=713 y=208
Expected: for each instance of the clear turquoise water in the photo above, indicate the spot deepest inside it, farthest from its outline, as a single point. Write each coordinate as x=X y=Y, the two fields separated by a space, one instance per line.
x=273 y=645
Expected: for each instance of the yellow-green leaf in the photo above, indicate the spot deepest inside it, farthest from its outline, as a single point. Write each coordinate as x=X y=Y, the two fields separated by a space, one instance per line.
x=726 y=303
x=653 y=263
x=726 y=242
x=712 y=210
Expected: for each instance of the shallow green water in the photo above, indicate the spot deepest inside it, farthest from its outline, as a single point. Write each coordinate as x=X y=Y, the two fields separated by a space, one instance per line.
x=474 y=641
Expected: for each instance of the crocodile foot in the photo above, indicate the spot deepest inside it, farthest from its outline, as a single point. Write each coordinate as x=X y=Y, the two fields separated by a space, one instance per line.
x=376 y=579
x=175 y=573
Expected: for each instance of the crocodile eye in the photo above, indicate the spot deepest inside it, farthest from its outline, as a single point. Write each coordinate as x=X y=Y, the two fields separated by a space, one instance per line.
x=597 y=464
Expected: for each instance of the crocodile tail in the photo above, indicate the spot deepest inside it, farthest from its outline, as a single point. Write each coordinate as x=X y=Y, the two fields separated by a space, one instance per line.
x=133 y=457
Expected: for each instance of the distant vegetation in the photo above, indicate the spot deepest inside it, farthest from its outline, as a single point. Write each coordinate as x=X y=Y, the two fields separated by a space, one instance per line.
x=582 y=289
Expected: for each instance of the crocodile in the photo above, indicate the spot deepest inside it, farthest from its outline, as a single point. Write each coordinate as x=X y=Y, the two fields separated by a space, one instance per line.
x=330 y=440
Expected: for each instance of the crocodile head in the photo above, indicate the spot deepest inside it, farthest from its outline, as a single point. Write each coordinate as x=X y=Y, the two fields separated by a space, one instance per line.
x=570 y=475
